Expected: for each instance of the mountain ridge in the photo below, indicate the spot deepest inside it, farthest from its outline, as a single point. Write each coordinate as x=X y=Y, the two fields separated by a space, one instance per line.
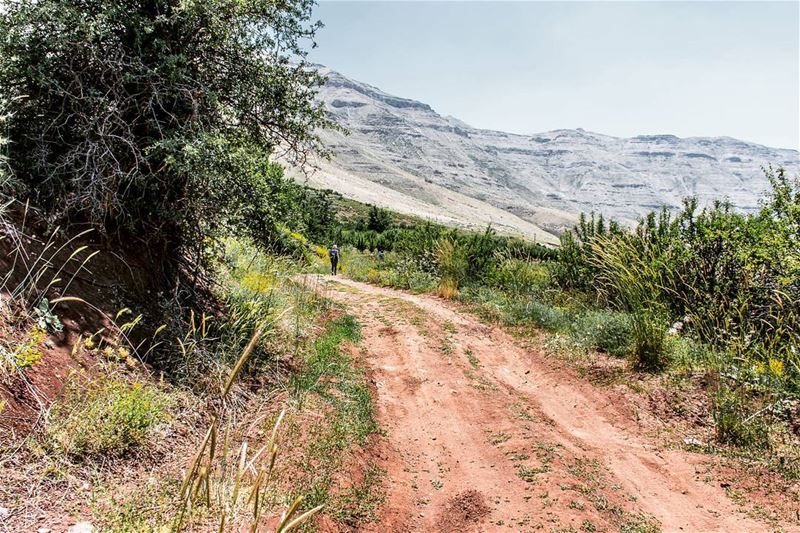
x=402 y=154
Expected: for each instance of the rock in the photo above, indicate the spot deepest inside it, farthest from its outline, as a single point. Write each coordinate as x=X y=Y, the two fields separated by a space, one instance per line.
x=81 y=527
x=691 y=441
x=546 y=178
x=44 y=530
x=4 y=512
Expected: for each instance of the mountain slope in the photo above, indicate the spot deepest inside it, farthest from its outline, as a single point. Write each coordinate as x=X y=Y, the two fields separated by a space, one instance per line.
x=401 y=154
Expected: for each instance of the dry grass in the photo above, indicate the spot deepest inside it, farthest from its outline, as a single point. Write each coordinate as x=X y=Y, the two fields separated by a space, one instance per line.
x=447 y=289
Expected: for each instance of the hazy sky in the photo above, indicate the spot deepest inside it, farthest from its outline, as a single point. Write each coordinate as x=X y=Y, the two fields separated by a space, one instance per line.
x=620 y=68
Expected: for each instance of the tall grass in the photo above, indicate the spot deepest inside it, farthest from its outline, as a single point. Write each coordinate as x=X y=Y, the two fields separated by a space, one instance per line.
x=211 y=483
x=626 y=278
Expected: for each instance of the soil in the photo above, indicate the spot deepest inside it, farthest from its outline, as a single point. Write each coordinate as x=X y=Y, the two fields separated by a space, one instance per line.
x=486 y=434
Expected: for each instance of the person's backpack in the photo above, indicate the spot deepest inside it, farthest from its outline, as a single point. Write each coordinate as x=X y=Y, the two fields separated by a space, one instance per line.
x=334 y=254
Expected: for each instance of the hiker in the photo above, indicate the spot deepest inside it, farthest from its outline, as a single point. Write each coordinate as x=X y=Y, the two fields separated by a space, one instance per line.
x=333 y=253
x=380 y=255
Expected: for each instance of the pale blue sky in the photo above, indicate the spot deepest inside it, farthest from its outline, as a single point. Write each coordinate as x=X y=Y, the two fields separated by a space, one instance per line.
x=620 y=68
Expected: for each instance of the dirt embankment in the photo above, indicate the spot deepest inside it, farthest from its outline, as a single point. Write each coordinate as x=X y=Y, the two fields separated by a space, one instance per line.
x=483 y=435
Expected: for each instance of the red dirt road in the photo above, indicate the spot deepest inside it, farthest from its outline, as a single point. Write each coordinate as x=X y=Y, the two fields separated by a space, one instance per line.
x=483 y=435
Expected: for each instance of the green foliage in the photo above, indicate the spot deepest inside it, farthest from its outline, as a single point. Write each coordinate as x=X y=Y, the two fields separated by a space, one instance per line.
x=521 y=276
x=378 y=220
x=574 y=269
x=625 y=276
x=732 y=423
x=452 y=263
x=157 y=118
x=45 y=317
x=733 y=279
x=105 y=417
x=326 y=357
x=540 y=313
x=731 y=284
x=607 y=331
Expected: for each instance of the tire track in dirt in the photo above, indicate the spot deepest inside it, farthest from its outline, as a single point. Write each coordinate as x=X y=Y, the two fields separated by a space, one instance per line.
x=483 y=436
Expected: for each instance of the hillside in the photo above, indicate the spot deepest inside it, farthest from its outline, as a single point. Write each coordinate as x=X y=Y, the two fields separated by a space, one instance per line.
x=402 y=154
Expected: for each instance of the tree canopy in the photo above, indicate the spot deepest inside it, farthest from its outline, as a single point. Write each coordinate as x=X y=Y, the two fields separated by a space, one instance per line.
x=158 y=117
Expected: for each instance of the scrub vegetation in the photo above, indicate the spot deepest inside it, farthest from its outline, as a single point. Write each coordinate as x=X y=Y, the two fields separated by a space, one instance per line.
x=701 y=291
x=163 y=366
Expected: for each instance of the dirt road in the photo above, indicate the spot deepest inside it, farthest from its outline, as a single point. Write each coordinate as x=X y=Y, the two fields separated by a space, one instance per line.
x=483 y=435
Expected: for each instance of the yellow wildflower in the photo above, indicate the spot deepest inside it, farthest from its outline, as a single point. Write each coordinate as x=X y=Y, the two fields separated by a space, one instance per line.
x=776 y=367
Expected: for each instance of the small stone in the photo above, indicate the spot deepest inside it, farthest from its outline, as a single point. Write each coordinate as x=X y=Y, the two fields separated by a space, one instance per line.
x=4 y=512
x=44 y=530
x=691 y=441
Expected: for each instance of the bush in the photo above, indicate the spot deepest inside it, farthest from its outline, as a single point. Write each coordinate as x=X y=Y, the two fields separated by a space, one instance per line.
x=539 y=313
x=732 y=279
x=649 y=351
x=733 y=425
x=105 y=417
x=630 y=279
x=607 y=331
x=447 y=289
x=519 y=276
x=157 y=118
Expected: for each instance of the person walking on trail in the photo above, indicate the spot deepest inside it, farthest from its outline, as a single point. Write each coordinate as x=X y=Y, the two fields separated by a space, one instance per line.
x=333 y=253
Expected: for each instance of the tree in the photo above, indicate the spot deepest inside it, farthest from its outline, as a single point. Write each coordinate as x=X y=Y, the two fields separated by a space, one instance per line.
x=378 y=220
x=157 y=117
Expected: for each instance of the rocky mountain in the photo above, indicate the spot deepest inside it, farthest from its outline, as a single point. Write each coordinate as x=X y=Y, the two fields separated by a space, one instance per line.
x=401 y=154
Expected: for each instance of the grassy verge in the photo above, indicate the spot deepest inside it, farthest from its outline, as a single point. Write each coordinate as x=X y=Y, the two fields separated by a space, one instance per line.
x=184 y=439
x=332 y=384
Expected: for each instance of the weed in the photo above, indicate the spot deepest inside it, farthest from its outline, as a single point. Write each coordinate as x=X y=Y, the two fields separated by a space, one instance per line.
x=733 y=425
x=576 y=505
x=358 y=504
x=498 y=438
x=529 y=474
x=607 y=331
x=640 y=523
x=104 y=417
x=27 y=353
x=474 y=361
x=447 y=289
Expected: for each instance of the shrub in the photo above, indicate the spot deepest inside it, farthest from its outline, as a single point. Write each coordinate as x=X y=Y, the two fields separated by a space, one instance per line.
x=447 y=289
x=539 y=313
x=649 y=340
x=608 y=331
x=630 y=279
x=732 y=278
x=105 y=417
x=519 y=276
x=129 y=114
x=419 y=282
x=451 y=263
x=733 y=425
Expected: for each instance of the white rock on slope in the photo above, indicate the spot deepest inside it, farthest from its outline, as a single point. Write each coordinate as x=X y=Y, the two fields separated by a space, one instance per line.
x=402 y=154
